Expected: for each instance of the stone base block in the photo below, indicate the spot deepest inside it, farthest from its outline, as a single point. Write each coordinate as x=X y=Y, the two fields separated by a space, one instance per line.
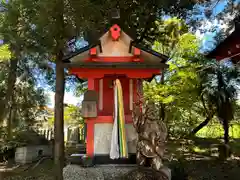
x=109 y=172
x=103 y=172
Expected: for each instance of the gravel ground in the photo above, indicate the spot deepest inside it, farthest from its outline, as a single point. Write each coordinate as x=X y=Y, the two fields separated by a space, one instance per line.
x=71 y=172
x=196 y=170
x=74 y=172
x=108 y=172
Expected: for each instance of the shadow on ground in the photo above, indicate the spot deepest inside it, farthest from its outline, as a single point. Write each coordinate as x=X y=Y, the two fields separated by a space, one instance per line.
x=197 y=156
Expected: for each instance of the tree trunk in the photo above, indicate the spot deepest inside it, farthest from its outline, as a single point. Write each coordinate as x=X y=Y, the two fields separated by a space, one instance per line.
x=162 y=106
x=200 y=126
x=9 y=93
x=11 y=117
x=224 y=149
x=226 y=131
x=9 y=123
x=58 y=119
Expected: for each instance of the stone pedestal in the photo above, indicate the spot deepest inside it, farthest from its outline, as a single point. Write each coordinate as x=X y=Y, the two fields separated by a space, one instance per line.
x=103 y=172
x=106 y=172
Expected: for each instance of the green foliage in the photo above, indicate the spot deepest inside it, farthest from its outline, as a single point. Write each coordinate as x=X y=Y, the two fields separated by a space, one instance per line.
x=179 y=92
x=27 y=102
x=5 y=54
x=219 y=86
x=72 y=116
x=36 y=31
x=215 y=130
x=25 y=107
x=194 y=87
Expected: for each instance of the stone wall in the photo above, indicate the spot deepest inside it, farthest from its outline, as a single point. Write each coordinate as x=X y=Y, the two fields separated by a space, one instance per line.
x=29 y=154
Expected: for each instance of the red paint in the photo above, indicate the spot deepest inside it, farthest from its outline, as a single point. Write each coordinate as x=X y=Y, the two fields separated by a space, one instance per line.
x=109 y=119
x=228 y=45
x=136 y=60
x=93 y=51
x=90 y=138
x=106 y=115
x=108 y=95
x=113 y=59
x=134 y=90
x=137 y=52
x=218 y=58
x=100 y=72
x=115 y=32
x=91 y=84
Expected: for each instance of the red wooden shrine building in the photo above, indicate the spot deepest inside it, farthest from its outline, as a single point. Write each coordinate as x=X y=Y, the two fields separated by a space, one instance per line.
x=230 y=47
x=115 y=56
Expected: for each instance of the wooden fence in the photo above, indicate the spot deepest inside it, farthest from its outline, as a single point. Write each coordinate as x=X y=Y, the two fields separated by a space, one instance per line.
x=71 y=134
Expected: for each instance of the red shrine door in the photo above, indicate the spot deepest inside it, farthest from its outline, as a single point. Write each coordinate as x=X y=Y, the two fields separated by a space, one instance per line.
x=108 y=95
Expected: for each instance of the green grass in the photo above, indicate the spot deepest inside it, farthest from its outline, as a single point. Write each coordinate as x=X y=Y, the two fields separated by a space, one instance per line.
x=216 y=131
x=198 y=156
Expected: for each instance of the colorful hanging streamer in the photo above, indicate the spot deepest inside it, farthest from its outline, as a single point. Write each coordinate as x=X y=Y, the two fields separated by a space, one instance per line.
x=119 y=143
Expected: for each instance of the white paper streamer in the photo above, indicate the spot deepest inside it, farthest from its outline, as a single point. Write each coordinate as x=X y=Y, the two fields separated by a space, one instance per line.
x=114 y=151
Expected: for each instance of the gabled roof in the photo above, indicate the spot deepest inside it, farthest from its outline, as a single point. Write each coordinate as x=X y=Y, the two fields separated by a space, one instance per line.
x=79 y=51
x=132 y=43
x=230 y=47
x=223 y=48
x=150 y=51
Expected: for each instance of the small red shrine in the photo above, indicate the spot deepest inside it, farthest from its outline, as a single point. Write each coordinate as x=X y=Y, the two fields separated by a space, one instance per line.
x=230 y=47
x=115 y=56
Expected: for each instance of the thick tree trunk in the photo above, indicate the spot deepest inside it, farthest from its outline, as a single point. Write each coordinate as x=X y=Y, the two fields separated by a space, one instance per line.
x=226 y=131
x=11 y=117
x=58 y=120
x=4 y=105
x=9 y=123
x=200 y=126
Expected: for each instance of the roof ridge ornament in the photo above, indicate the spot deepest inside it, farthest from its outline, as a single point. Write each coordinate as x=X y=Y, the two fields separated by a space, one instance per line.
x=115 y=32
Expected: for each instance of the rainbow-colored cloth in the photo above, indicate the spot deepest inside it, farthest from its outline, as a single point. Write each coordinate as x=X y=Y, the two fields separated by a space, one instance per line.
x=119 y=143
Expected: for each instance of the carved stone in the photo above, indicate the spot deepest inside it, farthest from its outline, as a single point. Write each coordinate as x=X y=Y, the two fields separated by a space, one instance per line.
x=89 y=104
x=152 y=133
x=89 y=109
x=90 y=95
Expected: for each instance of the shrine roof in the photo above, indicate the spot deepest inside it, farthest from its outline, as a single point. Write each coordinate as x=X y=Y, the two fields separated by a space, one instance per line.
x=112 y=65
x=87 y=48
x=229 y=47
x=151 y=51
x=225 y=45
x=79 y=51
x=119 y=44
